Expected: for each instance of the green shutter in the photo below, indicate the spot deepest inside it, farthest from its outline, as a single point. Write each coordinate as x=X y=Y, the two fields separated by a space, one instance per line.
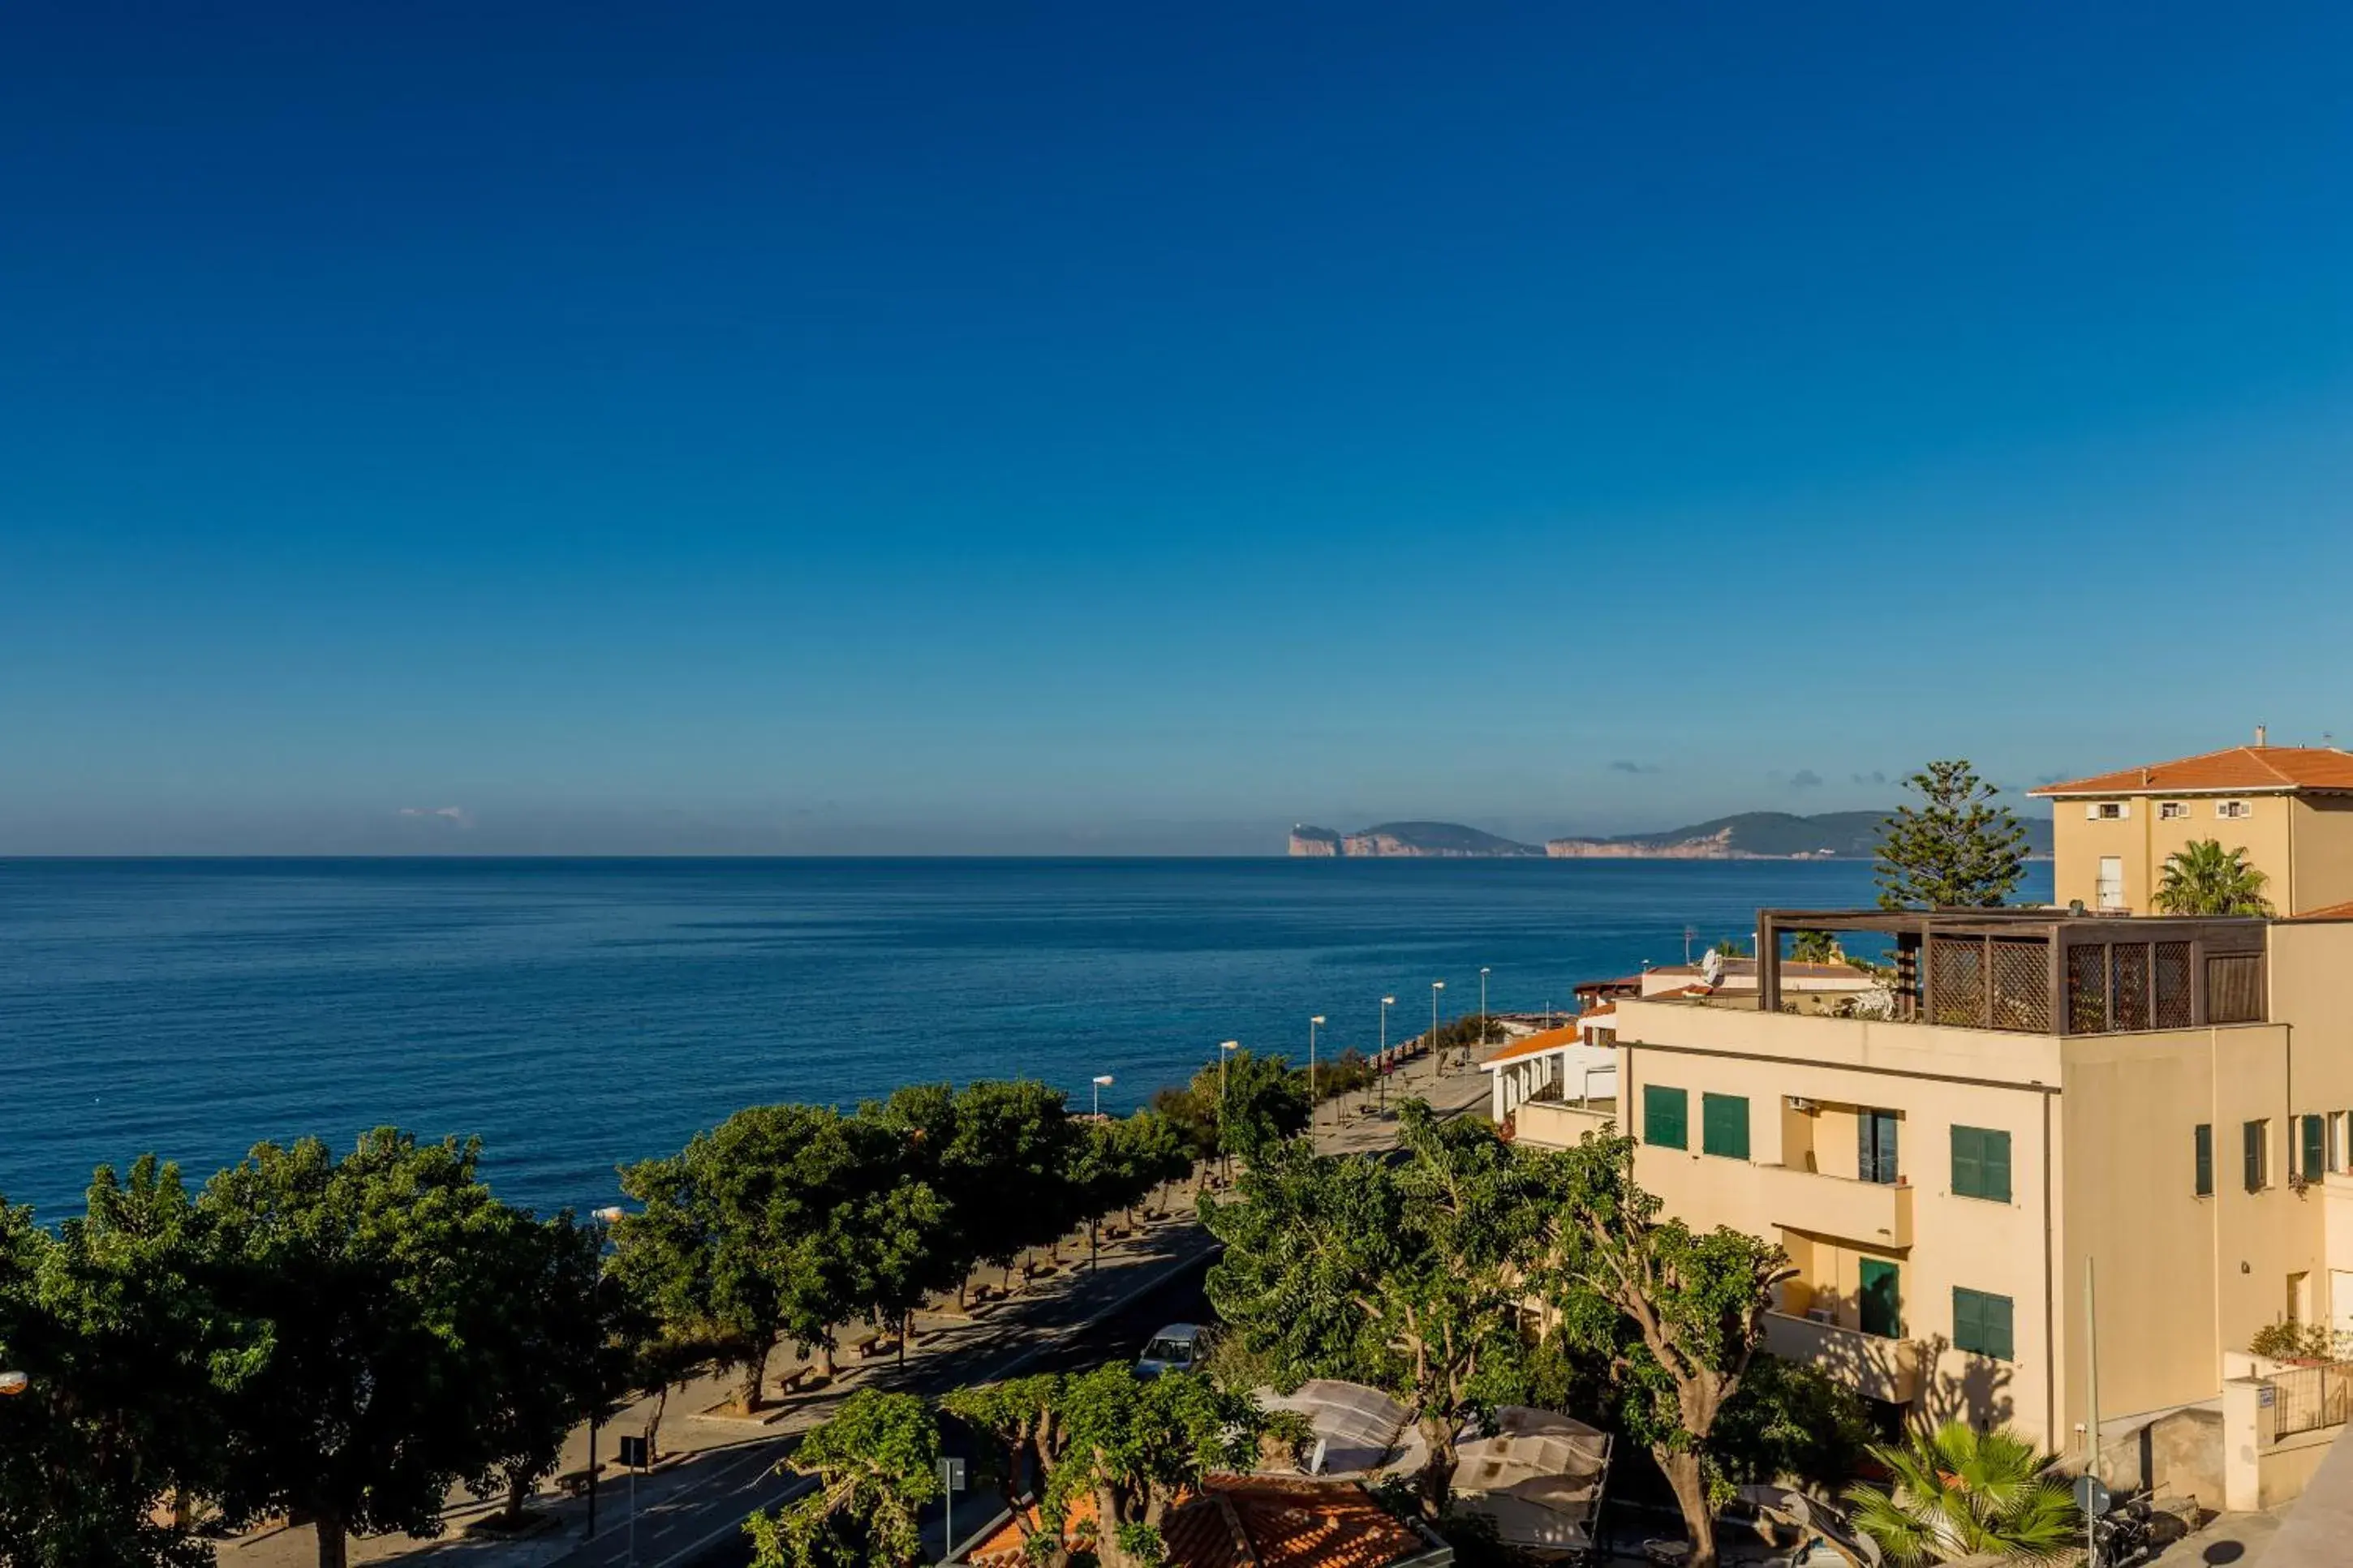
x=2205 y=1158
x=2316 y=1149
x=1666 y=1117
x=1981 y=1324
x=1883 y=1304
x=2250 y=1137
x=1981 y=1164
x=1724 y=1125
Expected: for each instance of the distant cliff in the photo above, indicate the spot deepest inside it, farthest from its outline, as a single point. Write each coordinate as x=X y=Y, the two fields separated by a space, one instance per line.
x=1410 y=840
x=1760 y=836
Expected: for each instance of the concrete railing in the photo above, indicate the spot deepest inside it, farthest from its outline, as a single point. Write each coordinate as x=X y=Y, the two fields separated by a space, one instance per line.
x=1874 y=1367
x=1877 y=1212
x=1554 y=1124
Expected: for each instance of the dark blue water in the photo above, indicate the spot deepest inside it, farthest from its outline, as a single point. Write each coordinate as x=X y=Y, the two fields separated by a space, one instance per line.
x=575 y=1014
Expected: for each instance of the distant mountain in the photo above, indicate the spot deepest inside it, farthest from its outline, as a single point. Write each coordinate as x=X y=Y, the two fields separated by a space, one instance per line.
x=1410 y=840
x=1761 y=835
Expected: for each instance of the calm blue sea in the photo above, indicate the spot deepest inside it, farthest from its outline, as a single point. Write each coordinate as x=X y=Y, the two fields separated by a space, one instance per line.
x=579 y=1013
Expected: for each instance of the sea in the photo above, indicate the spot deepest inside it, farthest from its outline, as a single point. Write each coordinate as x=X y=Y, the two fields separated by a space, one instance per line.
x=575 y=1015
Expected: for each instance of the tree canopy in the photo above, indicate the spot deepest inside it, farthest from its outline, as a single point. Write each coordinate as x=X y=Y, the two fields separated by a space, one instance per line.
x=874 y=1461
x=1955 y=849
x=1961 y=1493
x=2204 y=878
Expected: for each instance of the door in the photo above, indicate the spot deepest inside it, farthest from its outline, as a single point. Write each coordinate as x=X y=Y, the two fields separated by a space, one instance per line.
x=1882 y=1311
x=1874 y=1154
x=2111 y=882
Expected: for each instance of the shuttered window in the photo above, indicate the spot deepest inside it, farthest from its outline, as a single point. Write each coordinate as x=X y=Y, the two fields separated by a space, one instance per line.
x=2205 y=1158
x=2254 y=1141
x=2313 y=1153
x=1666 y=1117
x=1724 y=1125
x=1980 y=1163
x=1981 y=1324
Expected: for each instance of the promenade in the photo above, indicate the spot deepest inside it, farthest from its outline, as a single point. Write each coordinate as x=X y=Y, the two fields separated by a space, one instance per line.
x=716 y=1468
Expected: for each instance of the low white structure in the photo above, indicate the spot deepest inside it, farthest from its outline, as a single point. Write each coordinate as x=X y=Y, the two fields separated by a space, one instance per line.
x=1577 y=1063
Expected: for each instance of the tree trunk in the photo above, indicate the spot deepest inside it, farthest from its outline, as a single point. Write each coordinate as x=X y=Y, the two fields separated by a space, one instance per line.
x=330 y=1529
x=1109 y=1516
x=1682 y=1472
x=825 y=1368
x=755 y=1379
x=1436 y=1482
x=654 y=1421
x=518 y=1492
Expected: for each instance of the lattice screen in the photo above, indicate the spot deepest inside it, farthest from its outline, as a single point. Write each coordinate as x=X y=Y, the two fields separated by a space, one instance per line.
x=2173 y=985
x=2128 y=976
x=1956 y=981
x=2087 y=990
x=2022 y=984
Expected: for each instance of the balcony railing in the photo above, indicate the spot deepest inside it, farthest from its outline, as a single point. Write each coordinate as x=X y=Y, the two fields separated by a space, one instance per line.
x=2045 y=971
x=1876 y=1368
x=1557 y=1125
x=1878 y=1213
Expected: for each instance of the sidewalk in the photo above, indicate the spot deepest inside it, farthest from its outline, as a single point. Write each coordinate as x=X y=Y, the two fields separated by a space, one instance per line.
x=716 y=1468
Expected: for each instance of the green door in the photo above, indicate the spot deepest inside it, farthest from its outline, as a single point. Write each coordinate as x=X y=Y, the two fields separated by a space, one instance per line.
x=1881 y=1309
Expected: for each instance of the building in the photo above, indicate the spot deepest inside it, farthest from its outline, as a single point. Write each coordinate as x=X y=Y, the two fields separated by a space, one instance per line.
x=2289 y=807
x=2034 y=1104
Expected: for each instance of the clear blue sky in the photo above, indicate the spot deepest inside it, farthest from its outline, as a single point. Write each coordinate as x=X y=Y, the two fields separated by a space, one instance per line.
x=1102 y=427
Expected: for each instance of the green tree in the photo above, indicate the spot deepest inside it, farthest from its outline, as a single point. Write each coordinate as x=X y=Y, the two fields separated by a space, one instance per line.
x=875 y=1460
x=1733 y=947
x=1955 y=849
x=556 y=1344
x=1958 y=1493
x=742 y=1241
x=367 y=1400
x=1790 y=1424
x=1815 y=947
x=111 y=1322
x=2204 y=878
x=1018 y=1415
x=1257 y=1101
x=1406 y=1276
x=1130 y=1446
x=1677 y=1311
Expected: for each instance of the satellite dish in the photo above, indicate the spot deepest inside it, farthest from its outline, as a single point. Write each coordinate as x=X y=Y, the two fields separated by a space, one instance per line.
x=2092 y=1496
x=1711 y=967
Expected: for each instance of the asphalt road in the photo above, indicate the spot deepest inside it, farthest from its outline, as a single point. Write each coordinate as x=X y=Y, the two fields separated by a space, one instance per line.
x=1106 y=1317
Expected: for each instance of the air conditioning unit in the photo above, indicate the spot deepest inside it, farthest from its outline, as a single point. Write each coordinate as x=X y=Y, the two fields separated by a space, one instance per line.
x=1799 y=1103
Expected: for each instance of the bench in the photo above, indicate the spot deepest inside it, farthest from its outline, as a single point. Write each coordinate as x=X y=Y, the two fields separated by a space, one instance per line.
x=575 y=1483
x=869 y=1346
x=800 y=1378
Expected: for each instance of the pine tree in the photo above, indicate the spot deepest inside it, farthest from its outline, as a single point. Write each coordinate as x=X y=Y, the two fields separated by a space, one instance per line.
x=1956 y=850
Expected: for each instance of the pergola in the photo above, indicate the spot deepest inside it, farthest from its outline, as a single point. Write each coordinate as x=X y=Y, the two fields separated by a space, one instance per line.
x=2047 y=972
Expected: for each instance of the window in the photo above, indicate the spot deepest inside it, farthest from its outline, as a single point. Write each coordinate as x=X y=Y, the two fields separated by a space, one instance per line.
x=1980 y=1163
x=1724 y=1125
x=1981 y=1324
x=2107 y=811
x=2233 y=808
x=1666 y=1117
x=2205 y=1158
x=2173 y=811
x=1874 y=1154
x=1882 y=1303
x=2312 y=1153
x=2255 y=1139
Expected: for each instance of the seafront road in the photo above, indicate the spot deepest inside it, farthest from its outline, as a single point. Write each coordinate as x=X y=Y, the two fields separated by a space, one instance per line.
x=717 y=1469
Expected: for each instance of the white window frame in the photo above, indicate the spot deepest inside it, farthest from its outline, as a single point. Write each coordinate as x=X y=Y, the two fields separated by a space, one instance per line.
x=2109 y=811
x=2173 y=810
x=2233 y=810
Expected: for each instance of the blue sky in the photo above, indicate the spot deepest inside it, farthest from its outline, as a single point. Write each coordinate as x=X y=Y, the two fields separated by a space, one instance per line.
x=613 y=427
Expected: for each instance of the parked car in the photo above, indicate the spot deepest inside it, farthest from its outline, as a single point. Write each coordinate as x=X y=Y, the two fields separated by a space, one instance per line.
x=1179 y=1347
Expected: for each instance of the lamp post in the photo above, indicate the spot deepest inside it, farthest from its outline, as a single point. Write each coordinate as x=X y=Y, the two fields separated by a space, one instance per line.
x=1103 y=1081
x=1313 y=1024
x=1225 y=1049
x=1386 y=1002
x=1438 y=1052
x=606 y=1217
x=1482 y=1008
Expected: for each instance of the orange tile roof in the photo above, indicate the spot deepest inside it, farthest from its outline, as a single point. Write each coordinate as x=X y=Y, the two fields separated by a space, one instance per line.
x=2326 y=912
x=1542 y=1040
x=2239 y=768
x=1249 y=1521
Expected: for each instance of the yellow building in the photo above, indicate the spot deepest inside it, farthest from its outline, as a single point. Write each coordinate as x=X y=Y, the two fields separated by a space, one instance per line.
x=2168 y=1100
x=2289 y=807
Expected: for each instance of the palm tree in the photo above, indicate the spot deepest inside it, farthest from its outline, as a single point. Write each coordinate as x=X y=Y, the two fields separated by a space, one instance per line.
x=2204 y=878
x=1960 y=1492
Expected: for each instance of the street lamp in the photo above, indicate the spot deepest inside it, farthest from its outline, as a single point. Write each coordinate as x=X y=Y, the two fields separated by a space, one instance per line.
x=1386 y=1002
x=1438 y=1052
x=1482 y=1008
x=1103 y=1081
x=1225 y=1049
x=1313 y=1024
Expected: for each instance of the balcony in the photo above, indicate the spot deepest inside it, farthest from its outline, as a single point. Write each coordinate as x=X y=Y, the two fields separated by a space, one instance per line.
x=1558 y=1124
x=1876 y=1213
x=1876 y=1368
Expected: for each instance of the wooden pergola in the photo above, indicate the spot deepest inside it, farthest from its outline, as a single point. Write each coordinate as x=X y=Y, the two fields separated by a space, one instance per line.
x=2047 y=972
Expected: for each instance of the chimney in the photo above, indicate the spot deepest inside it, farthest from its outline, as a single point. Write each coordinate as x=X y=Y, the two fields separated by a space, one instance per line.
x=2259 y=735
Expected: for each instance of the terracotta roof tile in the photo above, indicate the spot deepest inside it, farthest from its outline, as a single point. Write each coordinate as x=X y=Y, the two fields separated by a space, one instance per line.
x=1254 y=1522
x=2326 y=912
x=1542 y=1040
x=2250 y=768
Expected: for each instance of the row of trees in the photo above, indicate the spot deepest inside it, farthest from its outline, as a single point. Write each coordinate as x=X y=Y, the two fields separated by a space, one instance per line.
x=343 y=1341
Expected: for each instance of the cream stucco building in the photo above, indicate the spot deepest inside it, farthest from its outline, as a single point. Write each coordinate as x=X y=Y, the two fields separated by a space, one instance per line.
x=2168 y=1100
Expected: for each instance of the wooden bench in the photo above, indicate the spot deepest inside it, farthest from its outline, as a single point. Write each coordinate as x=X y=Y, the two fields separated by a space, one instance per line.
x=800 y=1378
x=869 y=1346
x=575 y=1483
